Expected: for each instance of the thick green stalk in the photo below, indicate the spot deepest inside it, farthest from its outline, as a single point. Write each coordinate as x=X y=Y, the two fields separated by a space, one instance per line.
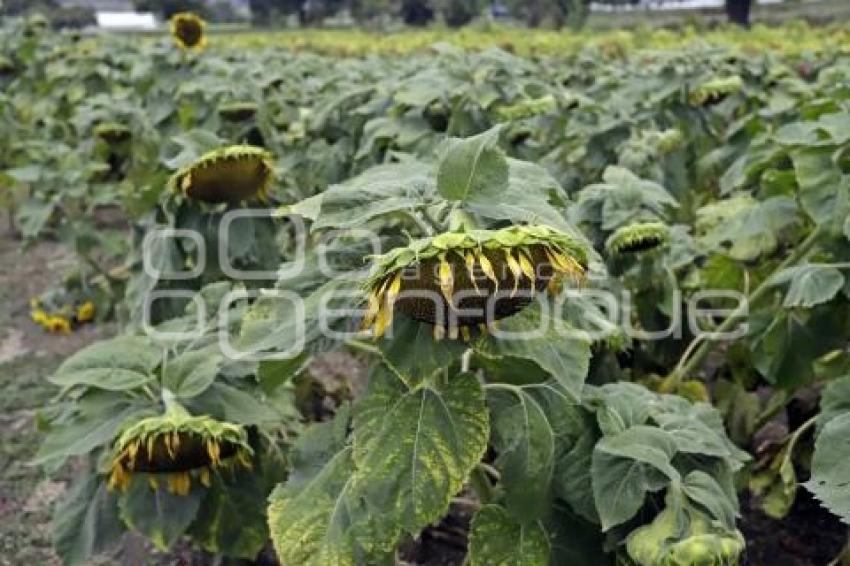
x=685 y=367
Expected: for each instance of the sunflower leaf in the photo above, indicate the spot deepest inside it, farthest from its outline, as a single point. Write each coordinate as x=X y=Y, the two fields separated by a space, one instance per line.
x=496 y=537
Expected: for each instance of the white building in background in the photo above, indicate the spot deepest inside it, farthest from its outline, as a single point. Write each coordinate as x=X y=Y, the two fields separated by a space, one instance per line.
x=126 y=20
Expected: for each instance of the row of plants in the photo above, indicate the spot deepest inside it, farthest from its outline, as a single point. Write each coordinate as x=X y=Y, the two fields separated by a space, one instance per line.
x=574 y=429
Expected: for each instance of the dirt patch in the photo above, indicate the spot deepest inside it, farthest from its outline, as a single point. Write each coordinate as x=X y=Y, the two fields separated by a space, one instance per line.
x=28 y=355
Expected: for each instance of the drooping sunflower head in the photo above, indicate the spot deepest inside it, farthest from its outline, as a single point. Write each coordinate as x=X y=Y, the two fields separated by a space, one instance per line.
x=715 y=90
x=112 y=132
x=175 y=447
x=188 y=30
x=237 y=111
x=231 y=174
x=636 y=238
x=459 y=281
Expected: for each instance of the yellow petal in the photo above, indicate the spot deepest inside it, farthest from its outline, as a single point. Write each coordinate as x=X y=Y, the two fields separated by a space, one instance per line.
x=555 y=285
x=394 y=288
x=166 y=438
x=371 y=311
x=153 y=483
x=382 y=321
x=205 y=477
x=526 y=266
x=439 y=332
x=465 y=333
x=487 y=268
x=470 y=268
x=244 y=459
x=453 y=332
x=516 y=270
x=446 y=280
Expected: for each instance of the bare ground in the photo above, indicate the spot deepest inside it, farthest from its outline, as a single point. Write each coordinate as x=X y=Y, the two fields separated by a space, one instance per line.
x=27 y=356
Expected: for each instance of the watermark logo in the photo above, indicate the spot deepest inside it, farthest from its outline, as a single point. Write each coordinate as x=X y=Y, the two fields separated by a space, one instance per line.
x=593 y=312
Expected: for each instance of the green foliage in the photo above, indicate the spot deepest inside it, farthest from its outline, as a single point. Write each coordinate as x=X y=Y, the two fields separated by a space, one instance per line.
x=571 y=446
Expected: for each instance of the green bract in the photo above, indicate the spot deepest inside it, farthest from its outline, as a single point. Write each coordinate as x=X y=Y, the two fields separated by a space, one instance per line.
x=685 y=538
x=454 y=271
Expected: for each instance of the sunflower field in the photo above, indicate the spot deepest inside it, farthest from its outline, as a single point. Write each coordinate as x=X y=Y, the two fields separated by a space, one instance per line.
x=582 y=304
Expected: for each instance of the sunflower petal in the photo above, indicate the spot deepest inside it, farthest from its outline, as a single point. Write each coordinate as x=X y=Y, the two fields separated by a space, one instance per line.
x=487 y=268
x=446 y=280
x=516 y=270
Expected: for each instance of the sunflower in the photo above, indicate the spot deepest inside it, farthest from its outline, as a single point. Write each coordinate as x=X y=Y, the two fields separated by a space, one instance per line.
x=237 y=111
x=636 y=238
x=715 y=90
x=230 y=174
x=112 y=133
x=175 y=447
x=57 y=325
x=188 y=30
x=85 y=312
x=462 y=277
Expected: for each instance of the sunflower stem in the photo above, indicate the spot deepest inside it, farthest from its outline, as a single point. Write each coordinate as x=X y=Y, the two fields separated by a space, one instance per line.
x=461 y=221
x=685 y=365
x=480 y=483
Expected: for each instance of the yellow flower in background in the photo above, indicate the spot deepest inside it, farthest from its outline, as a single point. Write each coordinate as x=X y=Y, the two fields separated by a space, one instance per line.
x=58 y=324
x=188 y=31
x=39 y=316
x=85 y=312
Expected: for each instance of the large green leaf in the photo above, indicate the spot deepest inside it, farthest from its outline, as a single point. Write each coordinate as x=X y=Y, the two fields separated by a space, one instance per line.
x=532 y=195
x=472 y=165
x=315 y=517
x=121 y=363
x=622 y=198
x=94 y=425
x=85 y=522
x=413 y=353
x=379 y=191
x=525 y=446
x=628 y=466
x=831 y=467
x=162 y=516
x=704 y=490
x=496 y=538
x=810 y=284
x=414 y=449
x=534 y=335
x=575 y=541
x=232 y=519
x=190 y=373
x=745 y=227
x=824 y=190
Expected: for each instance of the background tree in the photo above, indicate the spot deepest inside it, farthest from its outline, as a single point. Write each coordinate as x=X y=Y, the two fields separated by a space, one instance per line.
x=458 y=13
x=167 y=8
x=18 y=7
x=267 y=12
x=416 y=12
x=738 y=11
